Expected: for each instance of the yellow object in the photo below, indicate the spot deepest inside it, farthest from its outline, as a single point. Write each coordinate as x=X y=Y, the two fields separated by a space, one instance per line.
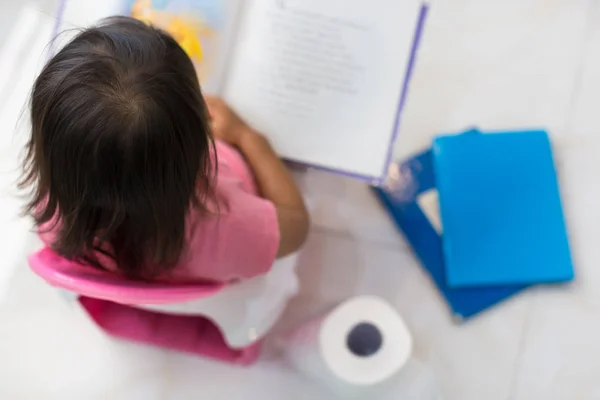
x=187 y=37
x=142 y=10
x=186 y=33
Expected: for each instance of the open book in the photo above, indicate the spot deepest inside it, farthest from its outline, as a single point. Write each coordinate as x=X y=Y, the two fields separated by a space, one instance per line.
x=323 y=79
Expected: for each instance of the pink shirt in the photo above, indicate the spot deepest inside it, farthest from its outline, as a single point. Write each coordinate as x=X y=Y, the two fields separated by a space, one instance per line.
x=239 y=243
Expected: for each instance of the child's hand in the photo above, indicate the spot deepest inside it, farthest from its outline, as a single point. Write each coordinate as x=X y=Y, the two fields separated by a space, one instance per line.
x=226 y=125
x=274 y=181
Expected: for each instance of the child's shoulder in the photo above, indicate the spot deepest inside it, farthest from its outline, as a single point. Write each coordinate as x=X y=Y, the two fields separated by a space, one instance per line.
x=232 y=166
x=242 y=241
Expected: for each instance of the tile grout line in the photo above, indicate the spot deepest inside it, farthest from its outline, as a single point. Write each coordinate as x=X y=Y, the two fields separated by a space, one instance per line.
x=341 y=234
x=14 y=49
x=578 y=74
x=168 y=377
x=518 y=364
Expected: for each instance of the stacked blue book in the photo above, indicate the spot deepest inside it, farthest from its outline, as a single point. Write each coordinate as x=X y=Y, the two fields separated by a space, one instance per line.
x=500 y=211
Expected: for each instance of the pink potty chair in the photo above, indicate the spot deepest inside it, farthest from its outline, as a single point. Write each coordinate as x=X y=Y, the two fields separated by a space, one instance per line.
x=223 y=322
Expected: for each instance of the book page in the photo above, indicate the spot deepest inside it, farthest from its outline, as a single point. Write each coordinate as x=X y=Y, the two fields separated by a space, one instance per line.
x=232 y=12
x=75 y=15
x=323 y=78
x=206 y=29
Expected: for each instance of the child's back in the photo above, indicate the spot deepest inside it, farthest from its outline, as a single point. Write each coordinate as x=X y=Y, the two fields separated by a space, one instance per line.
x=124 y=169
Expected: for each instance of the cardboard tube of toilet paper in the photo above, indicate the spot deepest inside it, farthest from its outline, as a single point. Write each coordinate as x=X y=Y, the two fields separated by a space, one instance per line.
x=352 y=349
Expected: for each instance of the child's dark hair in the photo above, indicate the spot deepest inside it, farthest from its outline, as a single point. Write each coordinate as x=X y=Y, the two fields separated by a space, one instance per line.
x=120 y=147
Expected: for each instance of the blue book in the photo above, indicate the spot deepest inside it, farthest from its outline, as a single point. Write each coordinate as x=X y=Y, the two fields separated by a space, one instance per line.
x=500 y=209
x=399 y=197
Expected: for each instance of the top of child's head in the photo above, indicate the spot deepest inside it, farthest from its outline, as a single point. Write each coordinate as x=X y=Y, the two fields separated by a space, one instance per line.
x=120 y=147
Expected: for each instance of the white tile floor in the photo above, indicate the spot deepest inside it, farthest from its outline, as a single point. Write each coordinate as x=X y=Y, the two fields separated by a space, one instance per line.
x=495 y=64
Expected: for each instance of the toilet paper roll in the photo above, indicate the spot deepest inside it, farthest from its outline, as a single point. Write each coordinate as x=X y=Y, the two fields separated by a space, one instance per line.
x=352 y=349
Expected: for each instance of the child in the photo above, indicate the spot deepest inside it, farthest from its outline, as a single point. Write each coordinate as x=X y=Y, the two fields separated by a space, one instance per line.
x=126 y=176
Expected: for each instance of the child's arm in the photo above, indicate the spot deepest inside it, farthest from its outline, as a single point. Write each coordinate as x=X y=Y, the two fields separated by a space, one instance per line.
x=274 y=181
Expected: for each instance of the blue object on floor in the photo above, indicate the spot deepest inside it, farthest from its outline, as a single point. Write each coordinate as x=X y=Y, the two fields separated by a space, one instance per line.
x=500 y=209
x=413 y=178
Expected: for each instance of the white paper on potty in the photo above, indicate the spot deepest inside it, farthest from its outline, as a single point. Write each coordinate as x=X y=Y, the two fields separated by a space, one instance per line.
x=319 y=349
